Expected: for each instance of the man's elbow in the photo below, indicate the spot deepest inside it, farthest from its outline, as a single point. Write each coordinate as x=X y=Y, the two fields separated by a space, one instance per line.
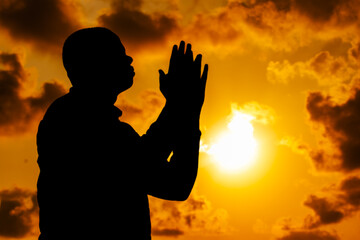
x=184 y=191
x=181 y=195
x=179 y=189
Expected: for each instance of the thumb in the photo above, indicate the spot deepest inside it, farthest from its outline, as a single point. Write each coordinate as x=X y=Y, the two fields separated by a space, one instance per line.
x=161 y=75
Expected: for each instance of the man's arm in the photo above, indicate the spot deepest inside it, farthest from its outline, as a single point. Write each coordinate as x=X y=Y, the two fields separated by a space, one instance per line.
x=177 y=128
x=174 y=179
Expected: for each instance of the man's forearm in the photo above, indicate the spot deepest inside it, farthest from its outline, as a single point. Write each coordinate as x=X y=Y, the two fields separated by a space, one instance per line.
x=174 y=131
x=174 y=180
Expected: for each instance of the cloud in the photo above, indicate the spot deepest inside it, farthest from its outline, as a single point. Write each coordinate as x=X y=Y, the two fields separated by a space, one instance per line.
x=287 y=229
x=354 y=51
x=279 y=25
x=326 y=69
x=351 y=191
x=306 y=235
x=170 y=232
x=320 y=11
x=193 y=216
x=326 y=212
x=18 y=213
x=17 y=112
x=333 y=113
x=335 y=204
x=144 y=112
x=42 y=22
x=283 y=72
x=136 y=27
x=339 y=124
x=262 y=113
x=296 y=145
x=339 y=203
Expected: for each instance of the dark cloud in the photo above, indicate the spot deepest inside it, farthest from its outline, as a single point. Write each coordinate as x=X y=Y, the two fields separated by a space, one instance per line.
x=340 y=202
x=167 y=232
x=217 y=29
x=351 y=191
x=18 y=209
x=340 y=12
x=287 y=229
x=136 y=27
x=17 y=112
x=340 y=124
x=281 y=5
x=275 y=24
x=318 y=11
x=309 y=235
x=337 y=202
x=43 y=22
x=193 y=215
x=326 y=212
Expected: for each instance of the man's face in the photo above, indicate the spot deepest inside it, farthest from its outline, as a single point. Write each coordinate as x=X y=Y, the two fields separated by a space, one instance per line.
x=116 y=68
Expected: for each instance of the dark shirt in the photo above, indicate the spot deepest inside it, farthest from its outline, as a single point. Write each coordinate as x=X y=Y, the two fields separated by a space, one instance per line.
x=96 y=171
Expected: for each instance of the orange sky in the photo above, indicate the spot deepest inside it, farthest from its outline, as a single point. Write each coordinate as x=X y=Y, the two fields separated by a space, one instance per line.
x=292 y=65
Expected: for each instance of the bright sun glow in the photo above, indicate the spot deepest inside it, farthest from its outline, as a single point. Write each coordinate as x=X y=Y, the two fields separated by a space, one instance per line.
x=236 y=148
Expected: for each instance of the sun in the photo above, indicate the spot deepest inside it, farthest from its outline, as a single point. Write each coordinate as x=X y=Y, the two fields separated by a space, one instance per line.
x=235 y=149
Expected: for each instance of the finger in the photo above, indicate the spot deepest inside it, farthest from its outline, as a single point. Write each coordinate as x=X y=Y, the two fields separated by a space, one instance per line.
x=204 y=76
x=162 y=81
x=182 y=48
x=161 y=75
x=197 y=65
x=174 y=50
x=173 y=57
x=189 y=53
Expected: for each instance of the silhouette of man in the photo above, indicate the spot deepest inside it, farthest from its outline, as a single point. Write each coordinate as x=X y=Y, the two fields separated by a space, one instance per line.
x=96 y=171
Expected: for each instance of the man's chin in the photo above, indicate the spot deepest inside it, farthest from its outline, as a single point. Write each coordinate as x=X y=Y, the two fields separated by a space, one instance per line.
x=130 y=81
x=128 y=84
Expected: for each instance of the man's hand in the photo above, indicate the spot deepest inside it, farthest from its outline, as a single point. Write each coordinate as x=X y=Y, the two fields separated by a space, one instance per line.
x=184 y=85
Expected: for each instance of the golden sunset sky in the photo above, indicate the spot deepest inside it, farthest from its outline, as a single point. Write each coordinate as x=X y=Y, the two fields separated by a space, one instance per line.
x=280 y=146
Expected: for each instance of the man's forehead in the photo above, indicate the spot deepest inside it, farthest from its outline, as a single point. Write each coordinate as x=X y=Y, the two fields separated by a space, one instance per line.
x=112 y=45
x=121 y=47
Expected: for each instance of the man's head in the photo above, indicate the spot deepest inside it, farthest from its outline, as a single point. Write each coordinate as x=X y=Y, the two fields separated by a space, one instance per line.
x=95 y=58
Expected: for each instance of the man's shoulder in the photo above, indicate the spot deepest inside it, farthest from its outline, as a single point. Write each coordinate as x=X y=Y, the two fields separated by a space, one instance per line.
x=60 y=106
x=57 y=113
